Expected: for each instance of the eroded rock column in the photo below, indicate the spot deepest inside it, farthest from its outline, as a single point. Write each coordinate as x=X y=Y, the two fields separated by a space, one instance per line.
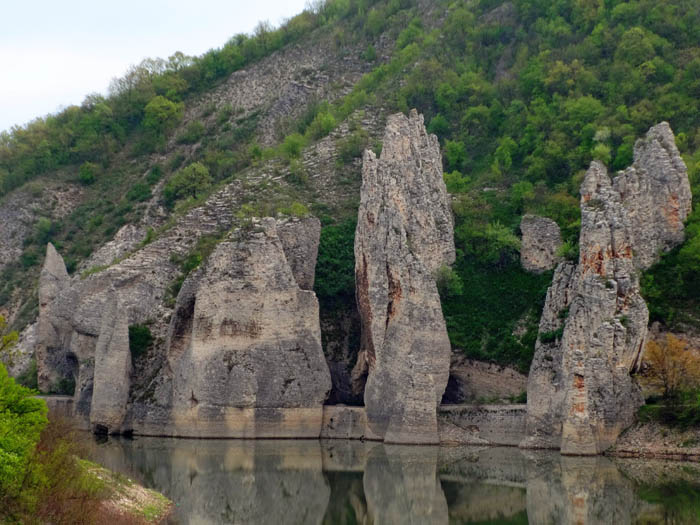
x=404 y=236
x=593 y=330
x=112 y=374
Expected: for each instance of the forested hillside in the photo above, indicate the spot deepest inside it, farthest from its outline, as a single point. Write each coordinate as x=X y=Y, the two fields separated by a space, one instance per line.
x=522 y=95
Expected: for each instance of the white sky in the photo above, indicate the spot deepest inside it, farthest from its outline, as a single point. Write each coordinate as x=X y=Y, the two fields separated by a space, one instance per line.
x=54 y=52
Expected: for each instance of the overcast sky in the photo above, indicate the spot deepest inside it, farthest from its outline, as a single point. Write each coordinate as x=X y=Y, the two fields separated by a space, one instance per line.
x=54 y=52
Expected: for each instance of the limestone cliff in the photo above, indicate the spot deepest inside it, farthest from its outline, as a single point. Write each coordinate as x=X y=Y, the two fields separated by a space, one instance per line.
x=594 y=324
x=404 y=235
x=244 y=347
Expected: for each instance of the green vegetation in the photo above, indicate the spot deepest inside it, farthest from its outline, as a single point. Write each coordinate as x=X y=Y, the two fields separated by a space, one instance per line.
x=335 y=267
x=140 y=339
x=680 y=501
x=22 y=418
x=188 y=182
x=43 y=479
x=672 y=287
x=522 y=95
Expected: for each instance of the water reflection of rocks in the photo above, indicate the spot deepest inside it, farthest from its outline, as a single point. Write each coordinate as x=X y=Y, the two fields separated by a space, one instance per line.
x=347 y=482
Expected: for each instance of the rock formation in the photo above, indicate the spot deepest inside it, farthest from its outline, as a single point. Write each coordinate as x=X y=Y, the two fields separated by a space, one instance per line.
x=300 y=240
x=245 y=342
x=655 y=190
x=594 y=325
x=53 y=279
x=404 y=236
x=112 y=375
x=540 y=242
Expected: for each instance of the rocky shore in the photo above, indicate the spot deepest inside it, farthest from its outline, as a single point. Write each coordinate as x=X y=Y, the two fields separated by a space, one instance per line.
x=652 y=440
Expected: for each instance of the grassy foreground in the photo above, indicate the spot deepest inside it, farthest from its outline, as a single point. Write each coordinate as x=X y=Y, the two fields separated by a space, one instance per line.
x=46 y=478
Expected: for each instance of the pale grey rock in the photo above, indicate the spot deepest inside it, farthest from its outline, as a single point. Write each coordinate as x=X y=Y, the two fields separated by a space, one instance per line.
x=52 y=281
x=300 y=239
x=112 y=374
x=125 y=240
x=471 y=380
x=404 y=235
x=655 y=191
x=541 y=239
x=245 y=345
x=580 y=393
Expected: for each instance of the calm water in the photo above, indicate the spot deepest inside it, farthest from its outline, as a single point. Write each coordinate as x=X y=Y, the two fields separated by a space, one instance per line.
x=342 y=482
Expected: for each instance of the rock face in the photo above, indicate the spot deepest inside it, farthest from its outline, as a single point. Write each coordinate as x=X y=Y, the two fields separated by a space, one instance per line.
x=472 y=380
x=112 y=376
x=540 y=242
x=245 y=342
x=594 y=325
x=300 y=240
x=53 y=280
x=655 y=191
x=404 y=235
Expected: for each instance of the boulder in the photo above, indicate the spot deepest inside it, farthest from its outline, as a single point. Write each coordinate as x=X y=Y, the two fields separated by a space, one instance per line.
x=404 y=236
x=245 y=344
x=593 y=330
x=112 y=373
x=540 y=242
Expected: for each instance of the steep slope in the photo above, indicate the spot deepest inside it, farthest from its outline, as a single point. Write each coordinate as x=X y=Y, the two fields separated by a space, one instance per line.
x=522 y=95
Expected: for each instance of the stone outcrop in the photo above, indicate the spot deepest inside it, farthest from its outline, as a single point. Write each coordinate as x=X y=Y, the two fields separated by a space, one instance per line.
x=655 y=190
x=245 y=343
x=540 y=242
x=404 y=236
x=472 y=380
x=112 y=375
x=52 y=281
x=300 y=239
x=125 y=240
x=594 y=325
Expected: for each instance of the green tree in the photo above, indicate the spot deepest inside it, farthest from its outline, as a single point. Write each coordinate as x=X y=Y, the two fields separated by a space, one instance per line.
x=8 y=343
x=190 y=181
x=162 y=115
x=22 y=418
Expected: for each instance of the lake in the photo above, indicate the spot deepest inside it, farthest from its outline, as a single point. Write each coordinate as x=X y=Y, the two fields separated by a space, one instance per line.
x=353 y=482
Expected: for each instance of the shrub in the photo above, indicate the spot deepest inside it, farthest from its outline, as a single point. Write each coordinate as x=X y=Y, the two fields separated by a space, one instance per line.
x=140 y=338
x=448 y=282
x=293 y=145
x=322 y=125
x=188 y=182
x=162 y=115
x=22 y=418
x=140 y=192
x=193 y=132
x=673 y=367
x=154 y=175
x=352 y=146
x=87 y=173
x=335 y=269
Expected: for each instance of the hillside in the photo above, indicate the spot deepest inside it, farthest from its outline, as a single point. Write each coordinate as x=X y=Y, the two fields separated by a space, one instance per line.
x=522 y=95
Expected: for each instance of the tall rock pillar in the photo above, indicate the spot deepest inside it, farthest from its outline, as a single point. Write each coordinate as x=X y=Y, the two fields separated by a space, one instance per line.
x=581 y=395
x=112 y=377
x=404 y=236
x=54 y=278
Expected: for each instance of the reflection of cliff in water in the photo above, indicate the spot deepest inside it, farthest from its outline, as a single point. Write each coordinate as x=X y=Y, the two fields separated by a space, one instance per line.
x=348 y=482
